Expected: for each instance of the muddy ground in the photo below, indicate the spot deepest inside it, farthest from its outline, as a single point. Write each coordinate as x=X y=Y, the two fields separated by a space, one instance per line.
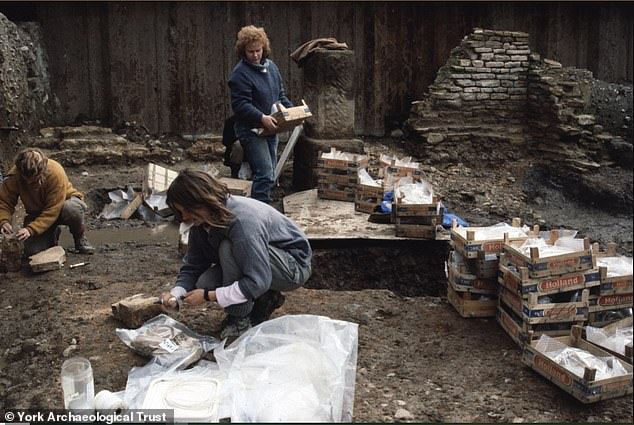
x=418 y=360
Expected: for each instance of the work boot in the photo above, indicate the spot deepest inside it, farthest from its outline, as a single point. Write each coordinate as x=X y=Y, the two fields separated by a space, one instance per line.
x=234 y=326
x=82 y=246
x=264 y=306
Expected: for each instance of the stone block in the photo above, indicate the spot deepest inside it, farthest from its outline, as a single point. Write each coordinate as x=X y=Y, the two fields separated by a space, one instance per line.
x=329 y=91
x=135 y=310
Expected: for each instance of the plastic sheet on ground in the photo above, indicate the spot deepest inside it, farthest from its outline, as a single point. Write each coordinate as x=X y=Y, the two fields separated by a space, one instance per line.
x=119 y=200
x=292 y=369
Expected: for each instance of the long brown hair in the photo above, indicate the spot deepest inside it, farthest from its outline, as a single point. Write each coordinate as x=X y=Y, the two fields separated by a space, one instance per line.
x=30 y=162
x=198 y=189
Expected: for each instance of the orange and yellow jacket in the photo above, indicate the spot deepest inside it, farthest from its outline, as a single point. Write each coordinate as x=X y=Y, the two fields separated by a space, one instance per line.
x=44 y=200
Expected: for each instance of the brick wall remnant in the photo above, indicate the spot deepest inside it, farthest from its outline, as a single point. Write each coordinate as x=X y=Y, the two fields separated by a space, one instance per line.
x=494 y=94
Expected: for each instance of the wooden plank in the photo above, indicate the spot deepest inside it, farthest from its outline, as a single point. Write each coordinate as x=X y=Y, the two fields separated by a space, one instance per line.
x=47 y=260
x=132 y=206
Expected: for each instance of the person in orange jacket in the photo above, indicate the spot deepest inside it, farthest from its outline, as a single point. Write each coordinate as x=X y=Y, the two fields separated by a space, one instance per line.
x=49 y=199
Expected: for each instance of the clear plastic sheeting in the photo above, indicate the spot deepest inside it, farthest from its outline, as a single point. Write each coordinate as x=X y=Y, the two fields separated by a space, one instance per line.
x=406 y=162
x=119 y=200
x=339 y=155
x=415 y=193
x=577 y=360
x=494 y=232
x=196 y=394
x=366 y=179
x=617 y=266
x=615 y=341
x=170 y=343
x=292 y=369
x=561 y=246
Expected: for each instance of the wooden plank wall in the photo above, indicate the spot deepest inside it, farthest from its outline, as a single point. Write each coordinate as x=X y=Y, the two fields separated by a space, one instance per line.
x=165 y=64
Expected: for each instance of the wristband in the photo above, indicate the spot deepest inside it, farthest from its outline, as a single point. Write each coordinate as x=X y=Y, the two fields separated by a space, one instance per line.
x=206 y=294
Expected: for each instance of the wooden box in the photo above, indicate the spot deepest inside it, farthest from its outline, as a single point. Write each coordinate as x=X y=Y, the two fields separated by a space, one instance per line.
x=519 y=282
x=465 y=239
x=551 y=265
x=611 y=284
x=335 y=192
x=486 y=265
x=535 y=310
x=602 y=318
x=521 y=331
x=610 y=302
x=367 y=197
x=463 y=281
x=399 y=168
x=289 y=118
x=238 y=186
x=584 y=388
x=350 y=162
x=611 y=329
x=468 y=304
x=157 y=178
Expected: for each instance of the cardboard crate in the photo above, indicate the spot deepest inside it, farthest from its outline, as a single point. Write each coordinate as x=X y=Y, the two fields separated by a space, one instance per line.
x=463 y=281
x=468 y=305
x=367 y=197
x=584 y=388
x=611 y=329
x=518 y=281
x=238 y=186
x=521 y=331
x=464 y=239
x=288 y=118
x=534 y=310
x=538 y=267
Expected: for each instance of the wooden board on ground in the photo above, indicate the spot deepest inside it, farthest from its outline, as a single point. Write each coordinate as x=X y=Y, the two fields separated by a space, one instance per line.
x=323 y=219
x=47 y=260
x=329 y=219
x=136 y=310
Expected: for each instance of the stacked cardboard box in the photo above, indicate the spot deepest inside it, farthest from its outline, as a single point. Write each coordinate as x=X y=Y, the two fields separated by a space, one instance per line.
x=338 y=174
x=473 y=266
x=544 y=286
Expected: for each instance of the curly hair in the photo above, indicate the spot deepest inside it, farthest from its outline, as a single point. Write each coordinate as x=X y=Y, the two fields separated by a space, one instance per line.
x=250 y=34
x=30 y=162
x=198 y=189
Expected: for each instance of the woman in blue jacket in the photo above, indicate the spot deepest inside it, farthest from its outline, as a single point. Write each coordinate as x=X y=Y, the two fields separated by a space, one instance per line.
x=256 y=85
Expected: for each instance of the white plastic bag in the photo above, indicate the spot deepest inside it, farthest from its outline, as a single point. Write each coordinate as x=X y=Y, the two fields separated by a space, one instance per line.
x=298 y=368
